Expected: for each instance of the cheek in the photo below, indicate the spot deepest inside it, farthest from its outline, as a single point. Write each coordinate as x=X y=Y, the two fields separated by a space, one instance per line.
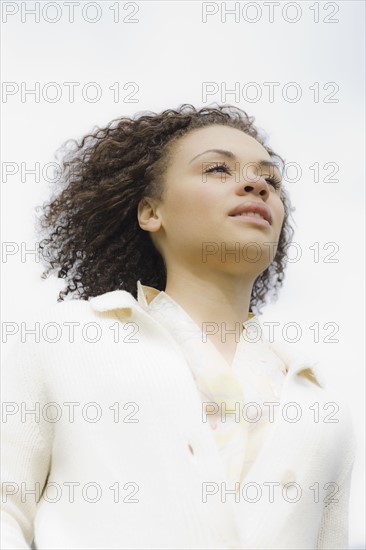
x=190 y=202
x=279 y=212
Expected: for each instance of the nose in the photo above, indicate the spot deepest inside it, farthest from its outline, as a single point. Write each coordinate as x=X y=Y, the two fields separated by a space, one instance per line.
x=255 y=185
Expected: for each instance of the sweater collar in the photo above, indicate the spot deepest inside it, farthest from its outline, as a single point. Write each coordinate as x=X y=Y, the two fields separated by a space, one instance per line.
x=296 y=361
x=121 y=299
x=146 y=294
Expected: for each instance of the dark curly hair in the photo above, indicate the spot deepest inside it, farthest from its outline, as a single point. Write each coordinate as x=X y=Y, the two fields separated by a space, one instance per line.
x=89 y=228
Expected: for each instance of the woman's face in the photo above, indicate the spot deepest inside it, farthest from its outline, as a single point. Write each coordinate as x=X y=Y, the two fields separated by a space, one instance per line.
x=212 y=172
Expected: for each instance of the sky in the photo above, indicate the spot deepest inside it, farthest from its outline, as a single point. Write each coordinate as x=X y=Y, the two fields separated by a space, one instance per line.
x=297 y=67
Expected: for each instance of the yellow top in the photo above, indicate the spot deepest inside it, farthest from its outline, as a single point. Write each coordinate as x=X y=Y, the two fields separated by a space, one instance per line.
x=232 y=396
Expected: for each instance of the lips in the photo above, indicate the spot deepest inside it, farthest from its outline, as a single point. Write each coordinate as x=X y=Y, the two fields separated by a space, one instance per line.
x=253 y=206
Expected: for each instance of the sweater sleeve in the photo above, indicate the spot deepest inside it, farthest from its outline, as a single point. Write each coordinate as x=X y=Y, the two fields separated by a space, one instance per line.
x=333 y=532
x=26 y=444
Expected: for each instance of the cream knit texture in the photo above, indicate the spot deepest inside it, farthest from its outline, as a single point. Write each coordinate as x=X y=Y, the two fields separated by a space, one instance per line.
x=232 y=395
x=115 y=453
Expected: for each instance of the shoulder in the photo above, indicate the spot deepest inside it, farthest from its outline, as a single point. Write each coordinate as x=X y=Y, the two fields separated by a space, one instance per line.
x=298 y=361
x=326 y=394
x=48 y=327
x=94 y=307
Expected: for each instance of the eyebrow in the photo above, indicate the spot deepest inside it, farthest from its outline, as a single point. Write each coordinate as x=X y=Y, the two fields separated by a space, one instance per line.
x=231 y=155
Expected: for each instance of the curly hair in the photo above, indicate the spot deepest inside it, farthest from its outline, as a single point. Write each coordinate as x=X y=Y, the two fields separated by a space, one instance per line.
x=89 y=228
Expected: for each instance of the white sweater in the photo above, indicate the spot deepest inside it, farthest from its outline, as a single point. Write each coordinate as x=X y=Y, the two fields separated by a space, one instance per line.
x=233 y=393
x=106 y=461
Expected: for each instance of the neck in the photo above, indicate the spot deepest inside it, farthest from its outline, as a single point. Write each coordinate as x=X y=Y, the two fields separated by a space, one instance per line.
x=212 y=297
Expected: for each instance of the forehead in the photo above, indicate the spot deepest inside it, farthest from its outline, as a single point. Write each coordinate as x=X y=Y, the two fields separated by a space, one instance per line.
x=219 y=137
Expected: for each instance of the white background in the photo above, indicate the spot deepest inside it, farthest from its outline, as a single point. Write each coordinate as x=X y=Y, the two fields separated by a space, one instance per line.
x=169 y=52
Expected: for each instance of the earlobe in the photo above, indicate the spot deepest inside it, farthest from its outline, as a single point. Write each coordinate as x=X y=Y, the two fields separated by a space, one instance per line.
x=148 y=216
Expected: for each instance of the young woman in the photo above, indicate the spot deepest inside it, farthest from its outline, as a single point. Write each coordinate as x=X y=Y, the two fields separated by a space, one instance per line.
x=150 y=411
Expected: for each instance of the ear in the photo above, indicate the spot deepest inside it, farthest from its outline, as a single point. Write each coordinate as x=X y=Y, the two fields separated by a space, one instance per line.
x=148 y=215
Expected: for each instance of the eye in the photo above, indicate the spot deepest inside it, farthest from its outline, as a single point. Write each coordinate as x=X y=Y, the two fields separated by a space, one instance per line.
x=274 y=182
x=220 y=167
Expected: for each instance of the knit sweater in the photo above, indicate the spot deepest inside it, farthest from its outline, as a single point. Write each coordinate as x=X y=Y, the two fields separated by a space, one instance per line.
x=115 y=454
x=232 y=396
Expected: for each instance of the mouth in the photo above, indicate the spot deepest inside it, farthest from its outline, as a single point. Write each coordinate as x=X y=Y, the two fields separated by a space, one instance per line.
x=253 y=212
x=249 y=218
